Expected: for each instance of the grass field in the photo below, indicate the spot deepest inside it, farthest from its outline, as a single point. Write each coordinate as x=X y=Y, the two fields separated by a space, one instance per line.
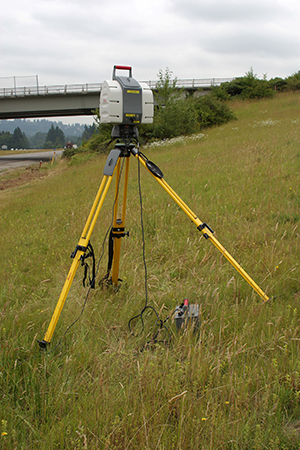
x=234 y=384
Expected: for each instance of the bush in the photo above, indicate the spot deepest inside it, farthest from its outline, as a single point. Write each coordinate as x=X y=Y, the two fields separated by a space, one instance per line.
x=251 y=87
x=186 y=116
x=245 y=87
x=212 y=112
x=178 y=117
x=278 y=84
x=293 y=82
x=174 y=115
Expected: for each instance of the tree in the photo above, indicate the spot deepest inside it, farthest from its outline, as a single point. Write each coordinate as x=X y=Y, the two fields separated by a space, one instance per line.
x=19 y=139
x=38 y=140
x=165 y=87
x=55 y=138
x=60 y=137
x=88 y=132
x=175 y=115
x=6 y=139
x=293 y=82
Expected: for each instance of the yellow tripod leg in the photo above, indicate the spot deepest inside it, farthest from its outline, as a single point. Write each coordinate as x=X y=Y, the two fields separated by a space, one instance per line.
x=76 y=255
x=119 y=224
x=207 y=232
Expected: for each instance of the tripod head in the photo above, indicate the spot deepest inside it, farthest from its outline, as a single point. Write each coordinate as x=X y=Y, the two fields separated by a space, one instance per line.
x=125 y=132
x=126 y=136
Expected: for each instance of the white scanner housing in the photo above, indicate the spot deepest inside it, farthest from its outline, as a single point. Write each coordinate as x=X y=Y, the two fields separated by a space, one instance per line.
x=123 y=100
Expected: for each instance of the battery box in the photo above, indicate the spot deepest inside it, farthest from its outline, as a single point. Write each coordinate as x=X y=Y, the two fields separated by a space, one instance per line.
x=187 y=316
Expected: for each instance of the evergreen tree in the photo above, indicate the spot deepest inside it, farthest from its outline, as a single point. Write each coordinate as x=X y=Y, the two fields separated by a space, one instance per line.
x=51 y=135
x=60 y=137
x=19 y=139
x=88 y=132
x=55 y=138
x=38 y=140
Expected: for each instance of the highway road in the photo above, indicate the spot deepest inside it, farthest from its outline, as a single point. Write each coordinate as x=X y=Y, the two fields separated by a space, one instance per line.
x=16 y=159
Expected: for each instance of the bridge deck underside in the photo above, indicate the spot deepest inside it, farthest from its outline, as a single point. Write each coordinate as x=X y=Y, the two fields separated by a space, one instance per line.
x=49 y=105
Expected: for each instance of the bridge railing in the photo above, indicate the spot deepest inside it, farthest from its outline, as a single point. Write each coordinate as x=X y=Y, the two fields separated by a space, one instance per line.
x=65 y=89
x=194 y=83
x=26 y=91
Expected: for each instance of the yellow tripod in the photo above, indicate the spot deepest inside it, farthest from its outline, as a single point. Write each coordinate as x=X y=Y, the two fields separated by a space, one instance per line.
x=128 y=135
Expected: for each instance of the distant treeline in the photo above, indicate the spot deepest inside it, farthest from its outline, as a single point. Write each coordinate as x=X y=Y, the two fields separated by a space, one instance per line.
x=31 y=127
x=17 y=139
x=54 y=138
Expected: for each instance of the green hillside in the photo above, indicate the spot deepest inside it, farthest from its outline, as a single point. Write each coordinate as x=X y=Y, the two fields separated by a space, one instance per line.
x=235 y=383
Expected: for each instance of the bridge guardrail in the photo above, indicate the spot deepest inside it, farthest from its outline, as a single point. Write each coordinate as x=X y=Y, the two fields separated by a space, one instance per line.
x=194 y=83
x=50 y=90
x=65 y=89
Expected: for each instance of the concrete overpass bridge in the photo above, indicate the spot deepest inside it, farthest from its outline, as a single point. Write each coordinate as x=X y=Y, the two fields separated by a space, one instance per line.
x=73 y=99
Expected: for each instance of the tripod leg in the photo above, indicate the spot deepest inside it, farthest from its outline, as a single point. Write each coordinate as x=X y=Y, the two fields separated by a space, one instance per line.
x=77 y=254
x=203 y=227
x=119 y=224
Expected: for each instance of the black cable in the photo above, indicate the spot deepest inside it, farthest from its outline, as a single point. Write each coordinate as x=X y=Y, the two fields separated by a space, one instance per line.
x=89 y=254
x=146 y=306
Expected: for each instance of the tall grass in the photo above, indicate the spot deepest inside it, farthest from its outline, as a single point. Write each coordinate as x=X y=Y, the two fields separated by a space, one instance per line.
x=233 y=385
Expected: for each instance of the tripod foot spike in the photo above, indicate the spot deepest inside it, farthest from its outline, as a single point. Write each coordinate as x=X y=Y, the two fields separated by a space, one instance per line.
x=43 y=344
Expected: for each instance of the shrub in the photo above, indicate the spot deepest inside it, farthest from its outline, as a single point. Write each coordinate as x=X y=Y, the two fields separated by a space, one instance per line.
x=278 y=84
x=178 y=117
x=293 y=82
x=212 y=112
x=245 y=87
x=166 y=88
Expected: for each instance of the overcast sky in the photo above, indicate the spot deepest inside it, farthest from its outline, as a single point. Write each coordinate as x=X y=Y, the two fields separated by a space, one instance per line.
x=79 y=41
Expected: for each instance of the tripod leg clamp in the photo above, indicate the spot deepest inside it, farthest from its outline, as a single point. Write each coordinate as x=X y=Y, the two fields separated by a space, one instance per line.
x=119 y=232
x=201 y=228
x=80 y=248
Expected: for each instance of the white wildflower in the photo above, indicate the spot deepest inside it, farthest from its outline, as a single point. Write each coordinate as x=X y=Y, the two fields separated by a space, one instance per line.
x=265 y=123
x=176 y=140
